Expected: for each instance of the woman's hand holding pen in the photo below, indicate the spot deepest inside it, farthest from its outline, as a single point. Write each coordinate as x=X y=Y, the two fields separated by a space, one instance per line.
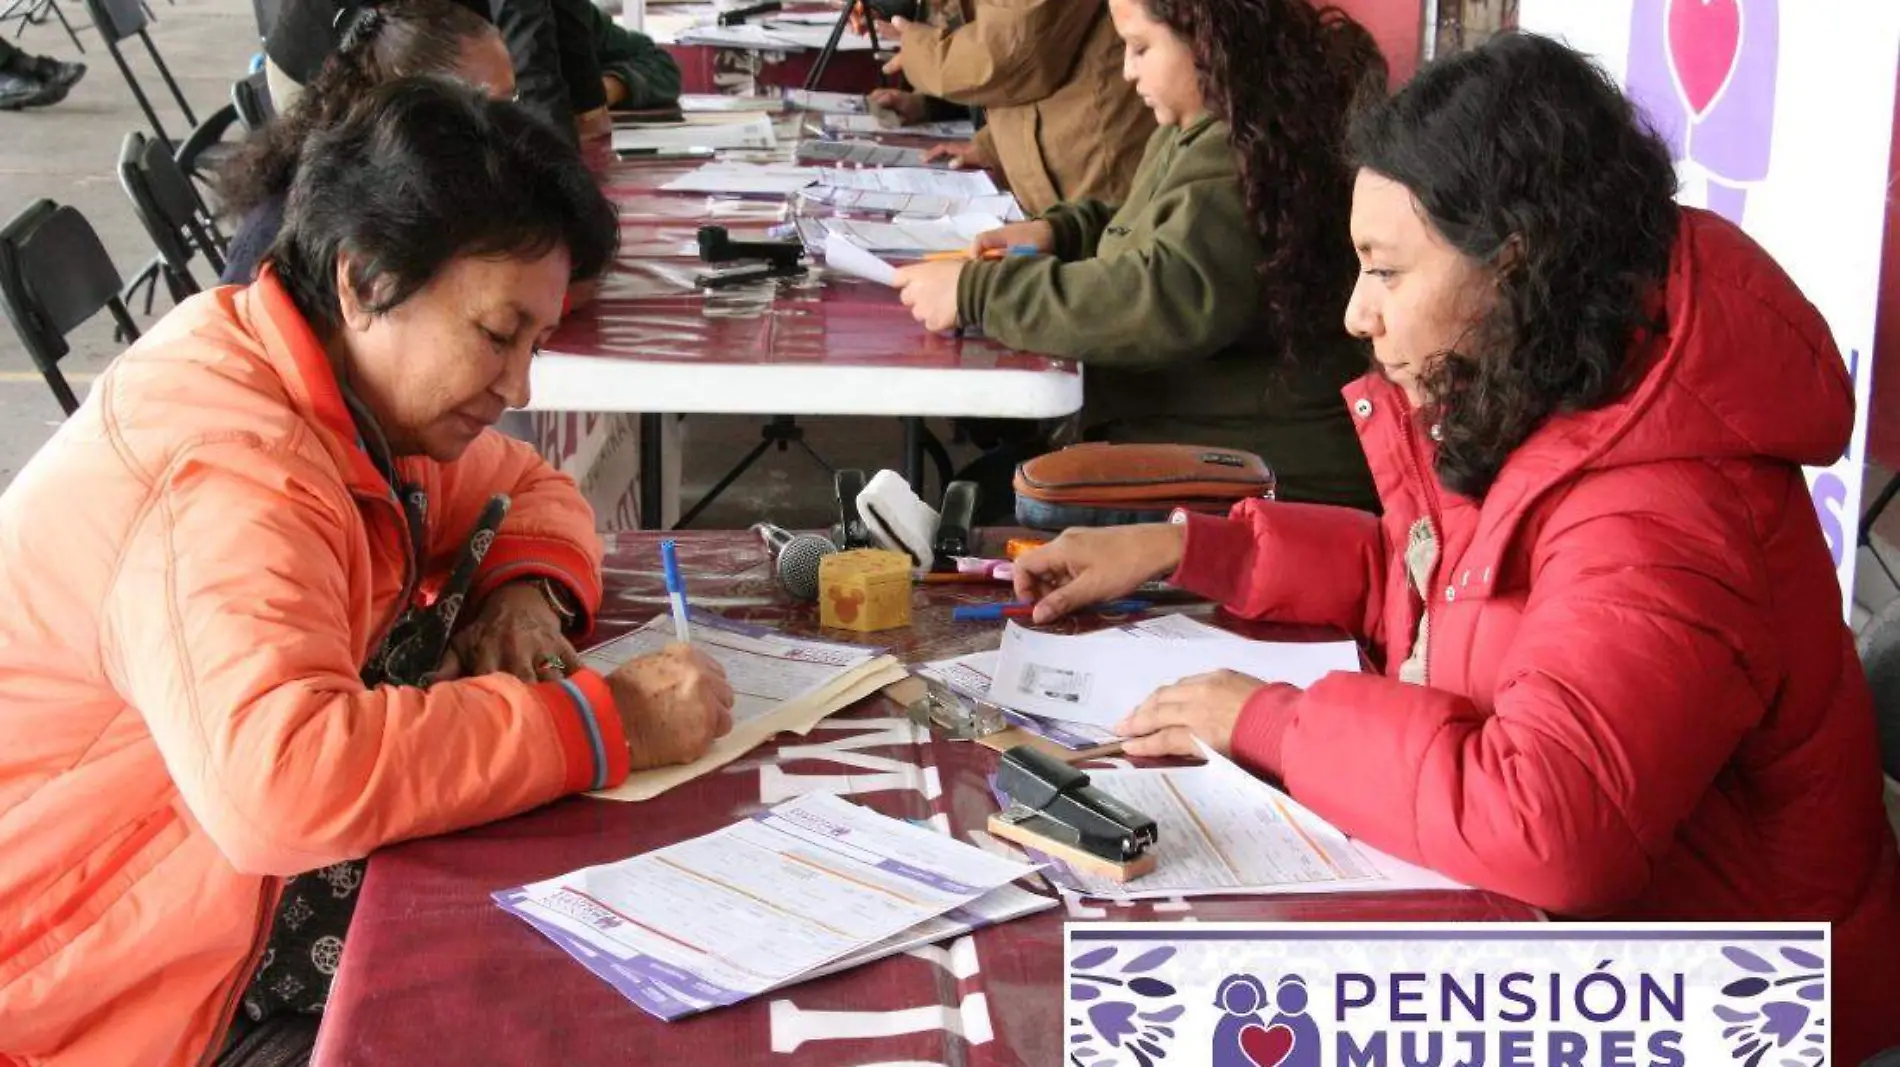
x=673 y=704
x=1017 y=238
x=1088 y=566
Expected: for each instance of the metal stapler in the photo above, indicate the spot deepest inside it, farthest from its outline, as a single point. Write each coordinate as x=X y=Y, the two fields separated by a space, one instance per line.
x=1053 y=809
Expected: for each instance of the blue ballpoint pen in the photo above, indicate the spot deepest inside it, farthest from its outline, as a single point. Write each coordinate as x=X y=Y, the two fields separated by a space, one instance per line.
x=675 y=590
x=993 y=612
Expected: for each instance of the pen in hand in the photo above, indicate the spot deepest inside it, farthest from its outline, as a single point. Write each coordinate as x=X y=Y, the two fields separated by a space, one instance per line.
x=676 y=591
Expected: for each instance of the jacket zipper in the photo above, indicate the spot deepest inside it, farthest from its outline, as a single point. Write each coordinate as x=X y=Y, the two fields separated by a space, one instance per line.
x=260 y=936
x=1428 y=491
x=411 y=567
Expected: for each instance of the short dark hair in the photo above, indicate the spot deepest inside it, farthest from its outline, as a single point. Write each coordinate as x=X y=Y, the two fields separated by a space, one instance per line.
x=1527 y=157
x=392 y=39
x=427 y=170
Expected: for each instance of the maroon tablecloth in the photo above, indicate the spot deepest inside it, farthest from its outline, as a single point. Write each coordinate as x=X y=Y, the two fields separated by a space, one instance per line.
x=435 y=973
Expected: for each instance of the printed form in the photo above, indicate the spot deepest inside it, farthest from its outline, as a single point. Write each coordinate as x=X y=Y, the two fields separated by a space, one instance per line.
x=764 y=902
x=1097 y=679
x=1224 y=831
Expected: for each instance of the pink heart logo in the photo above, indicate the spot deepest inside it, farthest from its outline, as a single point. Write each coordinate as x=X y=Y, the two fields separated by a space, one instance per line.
x=1705 y=38
x=1266 y=1046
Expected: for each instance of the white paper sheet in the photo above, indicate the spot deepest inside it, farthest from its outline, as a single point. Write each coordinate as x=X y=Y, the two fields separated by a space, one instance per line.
x=743 y=179
x=957 y=183
x=721 y=102
x=754 y=132
x=1099 y=679
x=882 y=121
x=857 y=154
x=717 y=919
x=1224 y=831
x=846 y=258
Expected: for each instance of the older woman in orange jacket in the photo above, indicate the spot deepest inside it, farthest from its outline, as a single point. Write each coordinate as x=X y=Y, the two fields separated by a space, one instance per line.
x=229 y=655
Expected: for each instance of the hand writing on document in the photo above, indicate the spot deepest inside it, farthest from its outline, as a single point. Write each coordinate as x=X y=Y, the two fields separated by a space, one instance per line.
x=1035 y=234
x=673 y=704
x=929 y=290
x=1206 y=706
x=1089 y=566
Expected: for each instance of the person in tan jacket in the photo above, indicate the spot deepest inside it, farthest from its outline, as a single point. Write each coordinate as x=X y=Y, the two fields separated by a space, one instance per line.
x=231 y=664
x=1061 y=124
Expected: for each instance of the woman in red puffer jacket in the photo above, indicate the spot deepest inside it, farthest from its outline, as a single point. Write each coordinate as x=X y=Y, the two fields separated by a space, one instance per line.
x=1615 y=679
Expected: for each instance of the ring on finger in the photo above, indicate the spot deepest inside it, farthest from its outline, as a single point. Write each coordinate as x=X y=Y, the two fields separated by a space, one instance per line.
x=551 y=664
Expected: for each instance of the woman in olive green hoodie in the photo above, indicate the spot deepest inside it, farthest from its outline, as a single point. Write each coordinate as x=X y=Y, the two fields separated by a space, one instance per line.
x=1206 y=306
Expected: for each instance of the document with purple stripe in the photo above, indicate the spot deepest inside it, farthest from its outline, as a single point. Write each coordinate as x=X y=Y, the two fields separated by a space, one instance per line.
x=760 y=904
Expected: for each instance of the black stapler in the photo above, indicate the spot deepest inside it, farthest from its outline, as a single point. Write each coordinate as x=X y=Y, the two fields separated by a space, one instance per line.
x=770 y=259
x=1053 y=810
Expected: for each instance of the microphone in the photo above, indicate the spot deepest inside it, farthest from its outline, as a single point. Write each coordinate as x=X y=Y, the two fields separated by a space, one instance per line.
x=796 y=557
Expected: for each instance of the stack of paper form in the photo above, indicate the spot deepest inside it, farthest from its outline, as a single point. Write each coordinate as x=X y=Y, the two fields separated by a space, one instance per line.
x=1020 y=677
x=1099 y=678
x=809 y=887
x=754 y=130
x=1223 y=831
x=780 y=684
x=743 y=179
x=923 y=180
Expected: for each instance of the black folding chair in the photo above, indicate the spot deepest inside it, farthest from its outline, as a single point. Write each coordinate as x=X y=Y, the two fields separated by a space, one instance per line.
x=250 y=95
x=201 y=156
x=55 y=275
x=118 y=20
x=167 y=207
x=34 y=12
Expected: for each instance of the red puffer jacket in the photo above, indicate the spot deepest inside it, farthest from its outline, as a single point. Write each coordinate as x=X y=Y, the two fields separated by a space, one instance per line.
x=1640 y=701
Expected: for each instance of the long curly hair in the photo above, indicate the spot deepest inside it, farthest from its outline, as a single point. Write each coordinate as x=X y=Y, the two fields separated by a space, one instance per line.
x=379 y=42
x=1285 y=75
x=1526 y=157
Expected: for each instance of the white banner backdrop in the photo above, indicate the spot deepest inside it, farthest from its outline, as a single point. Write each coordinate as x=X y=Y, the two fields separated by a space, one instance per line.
x=1779 y=115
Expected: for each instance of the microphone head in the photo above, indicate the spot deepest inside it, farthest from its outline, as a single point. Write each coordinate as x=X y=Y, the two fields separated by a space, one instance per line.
x=798 y=565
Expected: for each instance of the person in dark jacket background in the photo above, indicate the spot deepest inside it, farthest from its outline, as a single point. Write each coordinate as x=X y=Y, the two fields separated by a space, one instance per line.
x=377 y=45
x=552 y=43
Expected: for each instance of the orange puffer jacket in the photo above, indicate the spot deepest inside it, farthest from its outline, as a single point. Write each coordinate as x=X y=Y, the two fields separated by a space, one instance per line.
x=194 y=570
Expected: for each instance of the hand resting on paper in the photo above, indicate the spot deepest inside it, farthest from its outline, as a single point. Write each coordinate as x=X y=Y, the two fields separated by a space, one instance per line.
x=1089 y=566
x=909 y=108
x=962 y=155
x=673 y=705
x=1206 y=706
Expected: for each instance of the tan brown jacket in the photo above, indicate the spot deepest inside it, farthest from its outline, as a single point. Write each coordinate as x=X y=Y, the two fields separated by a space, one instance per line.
x=1061 y=121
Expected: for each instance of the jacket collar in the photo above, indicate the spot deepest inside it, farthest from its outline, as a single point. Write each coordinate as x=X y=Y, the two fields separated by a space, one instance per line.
x=292 y=350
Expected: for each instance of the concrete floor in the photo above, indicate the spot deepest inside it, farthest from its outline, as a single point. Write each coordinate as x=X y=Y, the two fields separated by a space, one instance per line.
x=68 y=153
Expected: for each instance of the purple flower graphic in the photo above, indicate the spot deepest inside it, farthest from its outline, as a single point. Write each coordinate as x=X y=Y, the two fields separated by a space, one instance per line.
x=1120 y=1007
x=1775 y=1008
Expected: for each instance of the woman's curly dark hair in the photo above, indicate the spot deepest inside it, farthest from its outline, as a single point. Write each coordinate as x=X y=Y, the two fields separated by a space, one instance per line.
x=1526 y=157
x=378 y=43
x=1285 y=75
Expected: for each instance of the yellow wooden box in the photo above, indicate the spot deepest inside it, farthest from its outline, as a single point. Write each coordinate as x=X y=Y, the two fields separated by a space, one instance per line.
x=866 y=589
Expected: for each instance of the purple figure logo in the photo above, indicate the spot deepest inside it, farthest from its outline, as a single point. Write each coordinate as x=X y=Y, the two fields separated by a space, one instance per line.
x=1291 y=1039
x=1703 y=71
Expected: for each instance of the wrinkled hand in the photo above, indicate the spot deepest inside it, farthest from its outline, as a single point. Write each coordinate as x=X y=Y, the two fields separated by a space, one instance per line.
x=672 y=705
x=1206 y=706
x=929 y=290
x=1087 y=566
x=963 y=155
x=908 y=107
x=1035 y=234
x=516 y=632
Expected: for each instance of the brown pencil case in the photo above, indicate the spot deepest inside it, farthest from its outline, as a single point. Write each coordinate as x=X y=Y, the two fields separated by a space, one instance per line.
x=1104 y=484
